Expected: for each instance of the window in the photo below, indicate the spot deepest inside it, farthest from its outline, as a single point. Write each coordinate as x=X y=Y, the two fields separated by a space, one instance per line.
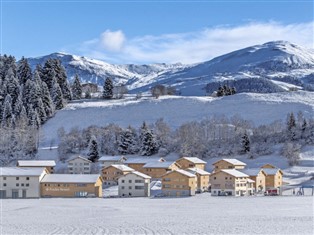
x=17 y=178
x=4 y=184
x=86 y=168
x=230 y=167
x=122 y=187
x=4 y=178
x=139 y=181
x=215 y=178
x=122 y=181
x=139 y=187
x=22 y=185
x=226 y=178
x=230 y=178
x=130 y=187
x=167 y=179
x=130 y=181
x=86 y=164
x=81 y=185
x=166 y=185
x=27 y=178
x=70 y=168
x=17 y=184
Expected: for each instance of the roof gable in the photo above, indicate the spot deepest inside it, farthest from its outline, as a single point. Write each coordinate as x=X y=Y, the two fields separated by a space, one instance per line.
x=197 y=171
x=232 y=161
x=79 y=157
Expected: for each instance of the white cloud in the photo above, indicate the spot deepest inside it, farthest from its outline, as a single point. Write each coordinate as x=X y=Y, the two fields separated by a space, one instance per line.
x=193 y=47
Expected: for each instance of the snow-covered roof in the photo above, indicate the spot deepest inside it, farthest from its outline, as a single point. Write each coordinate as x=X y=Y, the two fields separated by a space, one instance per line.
x=234 y=173
x=250 y=181
x=251 y=171
x=270 y=171
x=75 y=157
x=36 y=163
x=17 y=171
x=156 y=164
x=69 y=178
x=122 y=167
x=110 y=158
x=195 y=160
x=140 y=174
x=183 y=172
x=143 y=160
x=232 y=161
x=198 y=171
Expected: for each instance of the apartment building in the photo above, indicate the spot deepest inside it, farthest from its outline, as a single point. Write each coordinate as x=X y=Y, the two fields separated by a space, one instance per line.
x=134 y=184
x=203 y=178
x=48 y=164
x=79 y=165
x=228 y=164
x=112 y=173
x=191 y=162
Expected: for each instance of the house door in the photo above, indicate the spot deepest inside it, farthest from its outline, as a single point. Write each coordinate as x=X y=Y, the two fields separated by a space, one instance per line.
x=24 y=193
x=15 y=194
x=3 y=194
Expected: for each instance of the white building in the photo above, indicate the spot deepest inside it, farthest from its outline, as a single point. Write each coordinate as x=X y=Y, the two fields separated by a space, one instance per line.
x=79 y=165
x=106 y=161
x=49 y=164
x=21 y=182
x=134 y=184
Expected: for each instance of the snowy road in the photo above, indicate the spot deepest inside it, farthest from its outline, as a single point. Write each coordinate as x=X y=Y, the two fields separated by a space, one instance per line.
x=201 y=214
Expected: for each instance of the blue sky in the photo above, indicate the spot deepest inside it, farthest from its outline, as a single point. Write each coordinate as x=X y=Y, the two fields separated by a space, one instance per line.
x=148 y=32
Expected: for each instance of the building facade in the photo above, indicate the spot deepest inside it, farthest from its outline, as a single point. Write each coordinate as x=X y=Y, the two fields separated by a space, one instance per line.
x=259 y=178
x=112 y=173
x=106 y=161
x=23 y=182
x=231 y=182
x=203 y=179
x=273 y=178
x=79 y=165
x=179 y=183
x=71 y=185
x=134 y=184
x=48 y=164
x=191 y=162
x=157 y=169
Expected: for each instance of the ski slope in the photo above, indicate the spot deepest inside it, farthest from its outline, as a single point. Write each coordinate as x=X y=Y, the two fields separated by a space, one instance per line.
x=176 y=110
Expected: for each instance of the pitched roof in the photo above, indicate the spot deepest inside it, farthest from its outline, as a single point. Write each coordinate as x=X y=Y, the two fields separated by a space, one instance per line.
x=232 y=161
x=36 y=163
x=17 y=171
x=251 y=171
x=250 y=181
x=110 y=158
x=69 y=178
x=122 y=167
x=156 y=164
x=270 y=171
x=234 y=173
x=75 y=157
x=143 y=160
x=139 y=174
x=183 y=172
x=198 y=171
x=195 y=160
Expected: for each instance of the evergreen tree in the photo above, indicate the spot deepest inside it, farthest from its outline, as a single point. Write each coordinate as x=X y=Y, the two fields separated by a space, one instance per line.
x=56 y=95
x=108 y=89
x=245 y=143
x=12 y=85
x=48 y=73
x=62 y=79
x=127 y=141
x=77 y=88
x=93 y=154
x=24 y=71
x=148 y=143
x=291 y=126
x=7 y=113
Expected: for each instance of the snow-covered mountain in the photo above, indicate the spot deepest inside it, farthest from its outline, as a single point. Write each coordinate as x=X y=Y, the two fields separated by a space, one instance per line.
x=270 y=67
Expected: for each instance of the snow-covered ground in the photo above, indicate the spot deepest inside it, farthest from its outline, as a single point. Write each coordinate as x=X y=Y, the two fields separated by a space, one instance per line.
x=201 y=214
x=258 y=108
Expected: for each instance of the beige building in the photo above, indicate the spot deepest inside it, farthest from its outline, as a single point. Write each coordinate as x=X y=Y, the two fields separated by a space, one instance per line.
x=139 y=162
x=21 y=182
x=273 y=178
x=231 y=182
x=191 y=162
x=112 y=173
x=134 y=184
x=202 y=177
x=228 y=164
x=259 y=178
x=71 y=185
x=79 y=165
x=156 y=169
x=106 y=161
x=179 y=183
x=49 y=164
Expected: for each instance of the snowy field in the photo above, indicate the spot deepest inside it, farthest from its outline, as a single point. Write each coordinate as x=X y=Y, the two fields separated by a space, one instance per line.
x=258 y=108
x=201 y=214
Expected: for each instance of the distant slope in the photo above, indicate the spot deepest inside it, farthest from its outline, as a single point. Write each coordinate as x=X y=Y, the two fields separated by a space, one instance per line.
x=281 y=61
x=258 y=108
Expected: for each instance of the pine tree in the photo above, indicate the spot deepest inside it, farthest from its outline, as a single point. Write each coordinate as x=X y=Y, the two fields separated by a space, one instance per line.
x=93 y=154
x=62 y=79
x=7 y=113
x=245 y=143
x=12 y=85
x=47 y=101
x=77 y=88
x=127 y=141
x=291 y=126
x=148 y=143
x=57 y=97
x=108 y=89
x=24 y=71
